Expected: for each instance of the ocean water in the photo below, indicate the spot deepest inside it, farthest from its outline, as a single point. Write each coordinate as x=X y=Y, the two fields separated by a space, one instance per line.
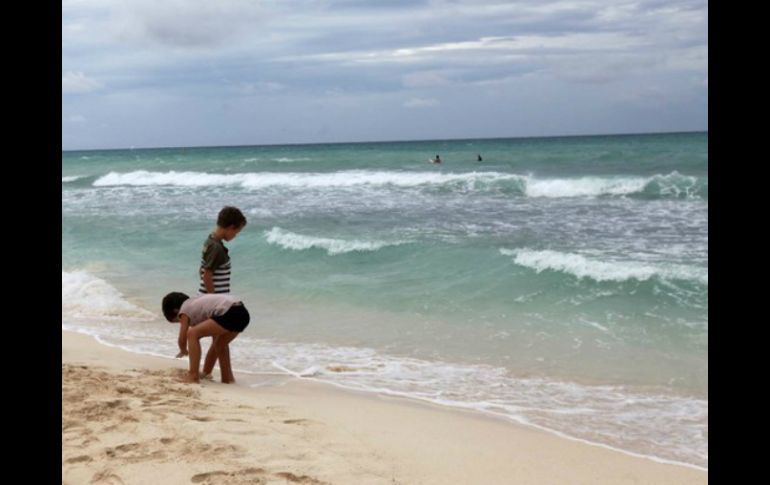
x=560 y=282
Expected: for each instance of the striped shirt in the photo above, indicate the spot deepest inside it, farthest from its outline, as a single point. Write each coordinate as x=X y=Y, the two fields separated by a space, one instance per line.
x=214 y=257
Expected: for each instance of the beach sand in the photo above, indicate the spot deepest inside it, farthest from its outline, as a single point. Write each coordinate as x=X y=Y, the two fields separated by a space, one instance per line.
x=125 y=420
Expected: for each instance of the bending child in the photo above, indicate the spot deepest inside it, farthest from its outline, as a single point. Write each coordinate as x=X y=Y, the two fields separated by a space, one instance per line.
x=222 y=316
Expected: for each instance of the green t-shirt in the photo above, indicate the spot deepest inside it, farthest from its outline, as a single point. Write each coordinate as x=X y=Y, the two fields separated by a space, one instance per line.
x=214 y=254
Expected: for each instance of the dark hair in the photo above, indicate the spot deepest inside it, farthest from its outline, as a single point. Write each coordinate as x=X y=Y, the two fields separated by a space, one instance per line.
x=172 y=303
x=230 y=216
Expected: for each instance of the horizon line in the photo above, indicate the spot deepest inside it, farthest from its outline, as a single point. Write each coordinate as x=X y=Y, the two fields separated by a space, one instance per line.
x=382 y=141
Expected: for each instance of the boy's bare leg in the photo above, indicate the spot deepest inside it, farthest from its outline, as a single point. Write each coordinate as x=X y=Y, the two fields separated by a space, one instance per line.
x=207 y=328
x=211 y=359
x=222 y=342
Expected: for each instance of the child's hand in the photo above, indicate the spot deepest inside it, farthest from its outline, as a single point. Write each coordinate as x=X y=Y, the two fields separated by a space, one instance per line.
x=181 y=353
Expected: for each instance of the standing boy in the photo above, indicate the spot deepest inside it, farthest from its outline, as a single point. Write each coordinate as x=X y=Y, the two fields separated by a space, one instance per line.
x=215 y=260
x=215 y=266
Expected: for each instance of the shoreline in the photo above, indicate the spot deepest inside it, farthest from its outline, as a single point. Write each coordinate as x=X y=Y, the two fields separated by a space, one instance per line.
x=371 y=435
x=261 y=379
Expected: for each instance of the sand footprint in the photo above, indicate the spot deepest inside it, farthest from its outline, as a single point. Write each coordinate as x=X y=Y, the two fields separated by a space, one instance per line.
x=134 y=453
x=200 y=418
x=106 y=477
x=220 y=477
x=78 y=459
x=301 y=421
x=299 y=479
x=250 y=476
x=116 y=403
x=210 y=477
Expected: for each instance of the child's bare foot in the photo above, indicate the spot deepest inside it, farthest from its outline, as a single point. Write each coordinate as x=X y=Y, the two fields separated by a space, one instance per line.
x=208 y=377
x=189 y=379
x=230 y=380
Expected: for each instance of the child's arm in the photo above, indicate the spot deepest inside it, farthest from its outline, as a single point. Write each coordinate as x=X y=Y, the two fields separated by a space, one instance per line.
x=213 y=258
x=208 y=280
x=184 y=324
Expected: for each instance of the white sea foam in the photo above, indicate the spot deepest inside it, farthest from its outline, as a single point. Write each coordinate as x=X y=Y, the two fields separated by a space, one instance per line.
x=582 y=187
x=290 y=160
x=84 y=295
x=673 y=184
x=299 y=242
x=265 y=179
x=582 y=267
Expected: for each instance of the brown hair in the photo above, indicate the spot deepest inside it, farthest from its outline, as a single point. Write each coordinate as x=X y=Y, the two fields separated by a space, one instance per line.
x=230 y=216
x=172 y=303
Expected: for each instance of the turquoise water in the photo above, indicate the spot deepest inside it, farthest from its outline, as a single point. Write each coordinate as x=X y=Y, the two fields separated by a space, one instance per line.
x=561 y=282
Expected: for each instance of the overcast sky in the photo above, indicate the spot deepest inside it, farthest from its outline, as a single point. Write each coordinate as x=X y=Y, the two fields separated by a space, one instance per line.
x=151 y=73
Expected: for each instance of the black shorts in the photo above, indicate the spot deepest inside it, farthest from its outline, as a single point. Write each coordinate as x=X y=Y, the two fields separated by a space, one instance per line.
x=235 y=319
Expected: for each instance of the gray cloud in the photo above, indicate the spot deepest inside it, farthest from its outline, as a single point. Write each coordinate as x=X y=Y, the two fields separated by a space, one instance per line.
x=185 y=23
x=421 y=103
x=123 y=59
x=78 y=83
x=425 y=79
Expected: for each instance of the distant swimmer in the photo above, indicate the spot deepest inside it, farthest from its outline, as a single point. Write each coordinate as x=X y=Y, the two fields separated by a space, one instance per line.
x=479 y=158
x=437 y=159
